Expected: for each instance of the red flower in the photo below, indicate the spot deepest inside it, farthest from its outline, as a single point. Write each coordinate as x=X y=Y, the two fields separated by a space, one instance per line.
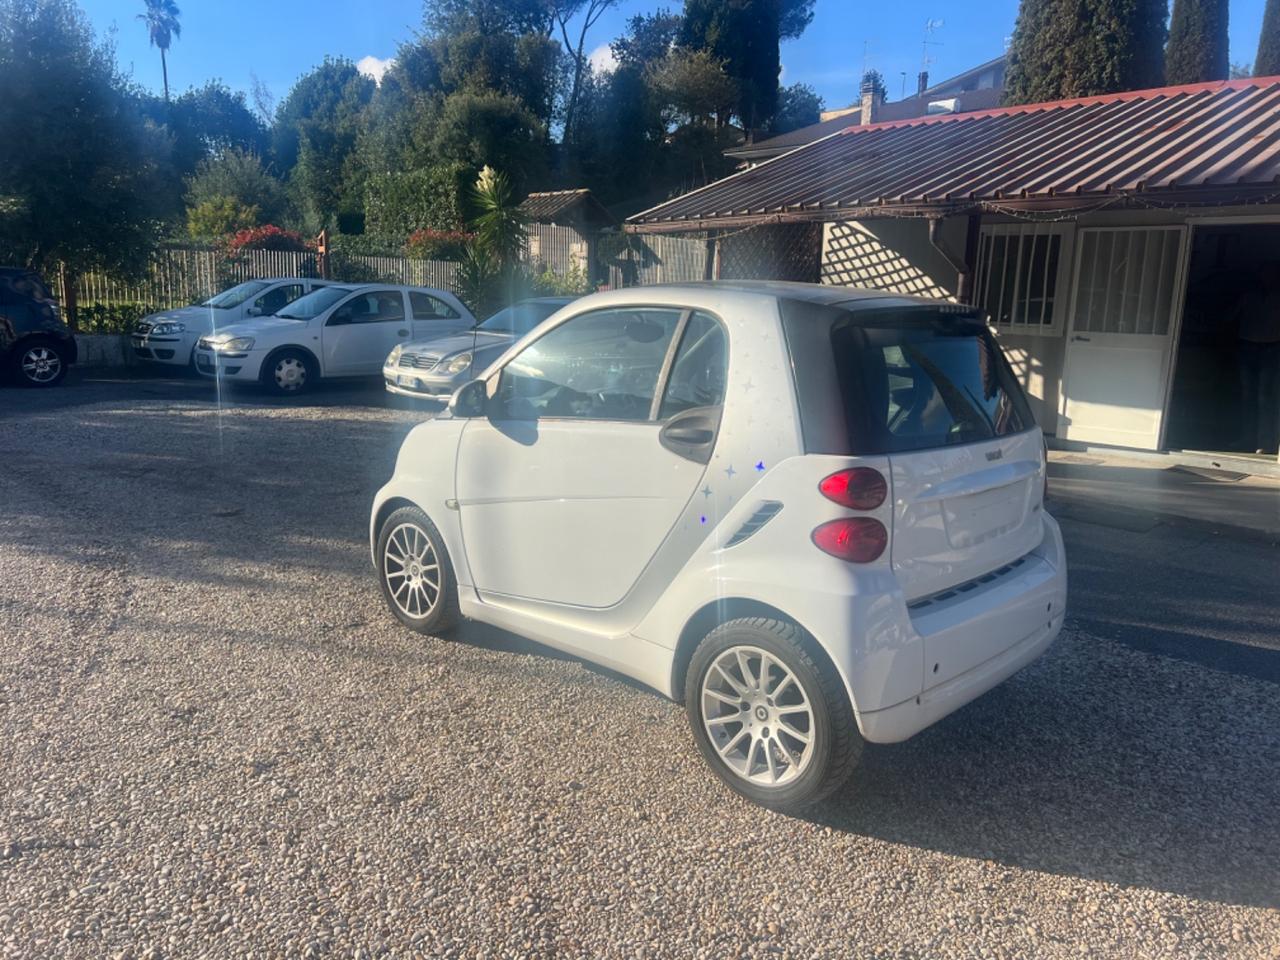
x=267 y=237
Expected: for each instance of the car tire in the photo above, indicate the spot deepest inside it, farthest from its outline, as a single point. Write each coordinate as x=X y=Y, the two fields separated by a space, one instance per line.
x=38 y=362
x=289 y=373
x=415 y=572
x=790 y=740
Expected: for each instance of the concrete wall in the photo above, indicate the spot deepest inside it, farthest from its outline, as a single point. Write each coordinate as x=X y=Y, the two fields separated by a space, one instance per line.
x=103 y=350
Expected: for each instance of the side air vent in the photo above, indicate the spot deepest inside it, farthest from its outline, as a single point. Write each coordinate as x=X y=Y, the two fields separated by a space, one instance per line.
x=968 y=585
x=764 y=513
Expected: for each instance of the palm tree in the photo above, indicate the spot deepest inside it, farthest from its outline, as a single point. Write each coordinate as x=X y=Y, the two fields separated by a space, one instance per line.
x=162 y=23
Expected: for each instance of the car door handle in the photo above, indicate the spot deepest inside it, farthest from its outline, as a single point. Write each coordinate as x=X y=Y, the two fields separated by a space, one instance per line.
x=692 y=434
x=1078 y=337
x=402 y=333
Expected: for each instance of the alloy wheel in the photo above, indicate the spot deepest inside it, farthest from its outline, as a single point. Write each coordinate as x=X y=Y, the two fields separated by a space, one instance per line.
x=412 y=571
x=41 y=364
x=757 y=715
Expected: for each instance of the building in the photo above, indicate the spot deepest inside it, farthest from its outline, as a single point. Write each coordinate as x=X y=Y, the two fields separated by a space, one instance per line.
x=1116 y=242
x=978 y=89
x=564 y=228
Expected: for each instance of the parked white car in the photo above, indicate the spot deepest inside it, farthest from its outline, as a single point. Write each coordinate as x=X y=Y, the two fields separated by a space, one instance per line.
x=342 y=330
x=170 y=336
x=814 y=514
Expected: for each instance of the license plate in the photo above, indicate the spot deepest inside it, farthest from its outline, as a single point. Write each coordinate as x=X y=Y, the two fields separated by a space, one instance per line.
x=410 y=382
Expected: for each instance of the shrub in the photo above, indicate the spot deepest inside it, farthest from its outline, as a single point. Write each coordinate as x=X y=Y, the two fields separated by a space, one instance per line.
x=268 y=237
x=220 y=216
x=431 y=244
x=111 y=317
x=572 y=283
x=397 y=204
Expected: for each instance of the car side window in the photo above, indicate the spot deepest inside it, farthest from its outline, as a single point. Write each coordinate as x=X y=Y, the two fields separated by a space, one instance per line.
x=602 y=365
x=427 y=307
x=384 y=305
x=278 y=297
x=699 y=370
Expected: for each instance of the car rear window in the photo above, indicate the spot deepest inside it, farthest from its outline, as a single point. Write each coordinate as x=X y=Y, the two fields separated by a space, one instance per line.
x=921 y=379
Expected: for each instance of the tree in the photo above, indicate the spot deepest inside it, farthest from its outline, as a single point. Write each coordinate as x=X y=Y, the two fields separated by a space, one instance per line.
x=590 y=11
x=745 y=35
x=489 y=128
x=648 y=39
x=695 y=85
x=873 y=83
x=1197 y=50
x=314 y=139
x=1267 y=62
x=798 y=106
x=76 y=155
x=1080 y=48
x=163 y=28
x=238 y=175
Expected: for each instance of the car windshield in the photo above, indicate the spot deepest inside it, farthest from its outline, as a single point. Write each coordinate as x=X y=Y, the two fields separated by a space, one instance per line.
x=236 y=295
x=314 y=303
x=519 y=318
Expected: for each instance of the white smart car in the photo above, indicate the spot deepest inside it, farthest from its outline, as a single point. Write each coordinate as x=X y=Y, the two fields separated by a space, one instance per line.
x=814 y=514
x=342 y=330
x=170 y=336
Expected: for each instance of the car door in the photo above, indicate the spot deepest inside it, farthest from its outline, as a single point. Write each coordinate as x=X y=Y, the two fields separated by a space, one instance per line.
x=360 y=332
x=570 y=485
x=435 y=317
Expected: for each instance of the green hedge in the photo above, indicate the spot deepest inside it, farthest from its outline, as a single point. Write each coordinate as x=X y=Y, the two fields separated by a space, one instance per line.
x=110 y=317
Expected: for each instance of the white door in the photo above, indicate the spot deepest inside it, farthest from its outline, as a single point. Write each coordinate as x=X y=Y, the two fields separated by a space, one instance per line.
x=360 y=333
x=567 y=490
x=1120 y=336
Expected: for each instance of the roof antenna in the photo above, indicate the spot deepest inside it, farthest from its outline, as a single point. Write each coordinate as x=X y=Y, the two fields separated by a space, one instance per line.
x=930 y=25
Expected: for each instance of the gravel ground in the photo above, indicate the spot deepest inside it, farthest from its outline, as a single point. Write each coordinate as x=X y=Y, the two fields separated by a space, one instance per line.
x=217 y=743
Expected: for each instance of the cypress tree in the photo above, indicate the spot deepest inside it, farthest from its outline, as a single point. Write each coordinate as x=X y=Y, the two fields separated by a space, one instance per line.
x=1197 y=50
x=1267 y=63
x=1080 y=48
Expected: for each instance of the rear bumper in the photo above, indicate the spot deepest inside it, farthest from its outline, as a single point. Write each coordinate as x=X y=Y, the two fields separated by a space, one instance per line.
x=979 y=640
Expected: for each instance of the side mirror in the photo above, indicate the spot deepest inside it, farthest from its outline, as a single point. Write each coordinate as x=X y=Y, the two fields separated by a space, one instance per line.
x=253 y=312
x=469 y=400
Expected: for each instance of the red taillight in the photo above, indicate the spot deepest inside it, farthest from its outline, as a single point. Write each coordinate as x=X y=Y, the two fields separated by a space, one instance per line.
x=856 y=539
x=861 y=488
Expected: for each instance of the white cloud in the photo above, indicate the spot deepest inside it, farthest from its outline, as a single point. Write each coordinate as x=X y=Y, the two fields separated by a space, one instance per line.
x=372 y=66
x=602 y=59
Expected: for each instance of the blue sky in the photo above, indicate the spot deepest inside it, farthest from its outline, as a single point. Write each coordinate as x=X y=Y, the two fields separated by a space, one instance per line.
x=278 y=40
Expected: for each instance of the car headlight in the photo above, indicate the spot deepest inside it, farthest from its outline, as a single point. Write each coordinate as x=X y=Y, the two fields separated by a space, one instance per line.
x=395 y=355
x=168 y=327
x=459 y=363
x=234 y=345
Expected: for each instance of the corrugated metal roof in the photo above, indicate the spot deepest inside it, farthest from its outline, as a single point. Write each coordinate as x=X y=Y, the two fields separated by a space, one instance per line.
x=1216 y=139
x=563 y=206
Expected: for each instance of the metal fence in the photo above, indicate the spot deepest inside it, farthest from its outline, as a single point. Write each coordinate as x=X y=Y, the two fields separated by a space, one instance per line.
x=179 y=276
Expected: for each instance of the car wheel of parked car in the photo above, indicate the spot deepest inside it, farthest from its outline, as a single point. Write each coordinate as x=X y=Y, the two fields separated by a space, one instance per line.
x=415 y=572
x=772 y=721
x=288 y=372
x=39 y=363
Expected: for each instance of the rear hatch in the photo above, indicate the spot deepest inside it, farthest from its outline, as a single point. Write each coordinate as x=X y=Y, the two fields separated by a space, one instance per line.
x=928 y=387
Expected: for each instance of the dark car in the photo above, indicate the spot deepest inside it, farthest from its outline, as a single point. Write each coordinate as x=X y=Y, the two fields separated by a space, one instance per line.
x=36 y=347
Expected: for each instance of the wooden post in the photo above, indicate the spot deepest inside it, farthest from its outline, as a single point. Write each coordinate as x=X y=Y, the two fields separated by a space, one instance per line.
x=67 y=280
x=967 y=282
x=322 y=253
x=711 y=264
